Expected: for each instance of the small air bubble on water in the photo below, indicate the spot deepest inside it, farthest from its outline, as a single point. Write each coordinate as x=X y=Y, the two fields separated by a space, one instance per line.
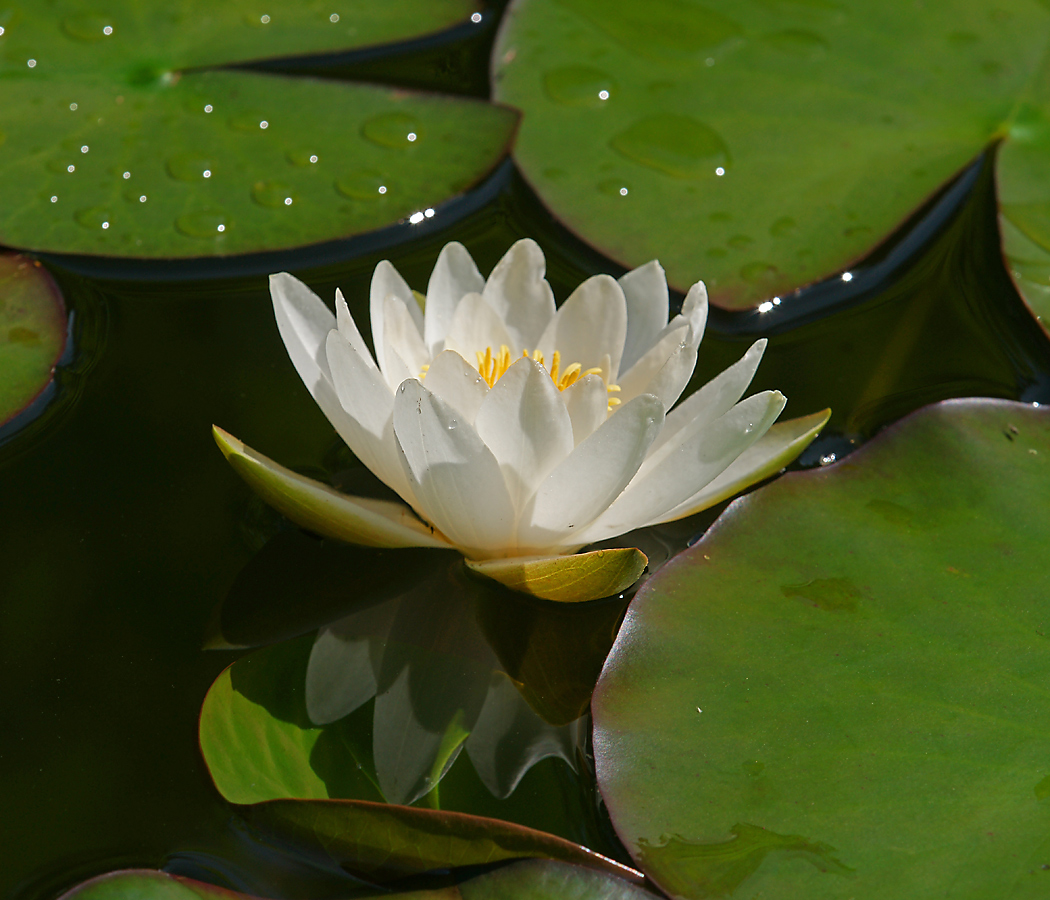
x=264 y=124
x=334 y=17
x=623 y=192
x=72 y=106
x=382 y=189
x=220 y=227
x=720 y=171
x=71 y=168
x=206 y=173
x=108 y=30
x=847 y=276
x=429 y=213
x=1 y=29
x=127 y=175
x=208 y=107
x=105 y=225
x=416 y=218
x=84 y=149
x=603 y=95
x=411 y=136
x=142 y=199
x=475 y=17
x=54 y=199
x=265 y=19
x=827 y=459
x=31 y=63
x=313 y=157
x=287 y=201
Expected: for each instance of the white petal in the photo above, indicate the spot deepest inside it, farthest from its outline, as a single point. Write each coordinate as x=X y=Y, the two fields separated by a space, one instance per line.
x=768 y=455
x=369 y=409
x=715 y=398
x=458 y=383
x=476 y=326
x=587 y=402
x=526 y=426
x=456 y=479
x=592 y=323
x=455 y=275
x=386 y=280
x=645 y=290
x=591 y=477
x=694 y=311
x=520 y=295
x=347 y=327
x=645 y=371
x=684 y=465
x=404 y=353
x=304 y=323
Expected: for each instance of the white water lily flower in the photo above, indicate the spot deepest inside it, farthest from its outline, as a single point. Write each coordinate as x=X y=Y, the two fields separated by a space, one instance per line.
x=516 y=432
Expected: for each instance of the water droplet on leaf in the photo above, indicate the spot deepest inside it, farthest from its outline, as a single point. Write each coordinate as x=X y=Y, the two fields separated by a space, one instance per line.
x=392 y=130
x=674 y=144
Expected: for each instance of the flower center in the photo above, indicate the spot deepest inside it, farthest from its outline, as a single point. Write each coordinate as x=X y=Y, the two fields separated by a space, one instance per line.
x=493 y=366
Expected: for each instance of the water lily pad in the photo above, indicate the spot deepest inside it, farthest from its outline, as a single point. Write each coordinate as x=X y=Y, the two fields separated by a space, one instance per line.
x=839 y=691
x=383 y=842
x=763 y=145
x=32 y=332
x=539 y=879
x=117 y=142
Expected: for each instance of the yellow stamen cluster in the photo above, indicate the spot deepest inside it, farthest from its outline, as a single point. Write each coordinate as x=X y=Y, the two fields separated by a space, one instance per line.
x=494 y=366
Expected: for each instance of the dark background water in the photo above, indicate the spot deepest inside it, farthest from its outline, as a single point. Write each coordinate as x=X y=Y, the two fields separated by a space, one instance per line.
x=123 y=527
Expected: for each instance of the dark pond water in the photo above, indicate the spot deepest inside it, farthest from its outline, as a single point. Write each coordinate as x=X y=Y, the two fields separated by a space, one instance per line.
x=124 y=528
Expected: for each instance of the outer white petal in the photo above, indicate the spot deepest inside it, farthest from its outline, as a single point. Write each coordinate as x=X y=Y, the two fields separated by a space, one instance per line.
x=694 y=458
x=587 y=402
x=475 y=326
x=520 y=295
x=526 y=426
x=368 y=406
x=458 y=383
x=347 y=327
x=455 y=477
x=768 y=455
x=304 y=322
x=645 y=290
x=404 y=353
x=591 y=477
x=591 y=324
x=694 y=311
x=454 y=276
x=387 y=280
x=715 y=398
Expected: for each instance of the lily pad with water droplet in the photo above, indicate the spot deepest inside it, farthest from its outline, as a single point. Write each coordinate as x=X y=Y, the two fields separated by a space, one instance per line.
x=840 y=690
x=32 y=332
x=767 y=145
x=528 y=880
x=132 y=142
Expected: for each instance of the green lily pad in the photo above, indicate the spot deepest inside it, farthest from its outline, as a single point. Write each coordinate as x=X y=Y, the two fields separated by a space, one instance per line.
x=539 y=879
x=766 y=144
x=117 y=143
x=32 y=332
x=383 y=842
x=840 y=690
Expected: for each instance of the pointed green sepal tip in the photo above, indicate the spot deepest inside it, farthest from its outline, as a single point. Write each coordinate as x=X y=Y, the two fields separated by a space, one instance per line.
x=324 y=510
x=567 y=579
